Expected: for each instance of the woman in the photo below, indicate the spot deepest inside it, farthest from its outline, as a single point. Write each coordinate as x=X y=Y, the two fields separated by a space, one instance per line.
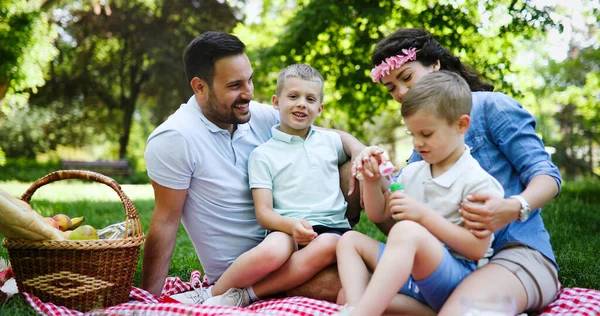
x=503 y=141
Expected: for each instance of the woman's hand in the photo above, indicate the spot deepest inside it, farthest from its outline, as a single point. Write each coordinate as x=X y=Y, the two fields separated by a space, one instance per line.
x=484 y=214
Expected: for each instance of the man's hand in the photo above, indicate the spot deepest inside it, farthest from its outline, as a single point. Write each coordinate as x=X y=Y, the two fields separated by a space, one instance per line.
x=484 y=214
x=303 y=232
x=403 y=206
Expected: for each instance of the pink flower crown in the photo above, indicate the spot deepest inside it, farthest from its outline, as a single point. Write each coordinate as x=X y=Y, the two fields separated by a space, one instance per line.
x=392 y=63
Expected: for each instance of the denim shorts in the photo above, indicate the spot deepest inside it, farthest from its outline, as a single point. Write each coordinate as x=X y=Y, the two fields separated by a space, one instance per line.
x=435 y=289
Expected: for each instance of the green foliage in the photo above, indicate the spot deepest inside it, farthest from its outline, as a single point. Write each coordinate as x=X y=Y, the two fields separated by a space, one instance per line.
x=109 y=64
x=25 y=46
x=2 y=157
x=26 y=170
x=29 y=130
x=573 y=87
x=337 y=38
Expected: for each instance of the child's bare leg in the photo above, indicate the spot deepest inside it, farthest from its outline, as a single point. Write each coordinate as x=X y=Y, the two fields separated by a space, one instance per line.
x=256 y=263
x=301 y=266
x=410 y=249
x=357 y=256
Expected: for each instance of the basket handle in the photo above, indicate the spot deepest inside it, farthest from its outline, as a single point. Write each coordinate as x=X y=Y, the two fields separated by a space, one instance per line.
x=133 y=227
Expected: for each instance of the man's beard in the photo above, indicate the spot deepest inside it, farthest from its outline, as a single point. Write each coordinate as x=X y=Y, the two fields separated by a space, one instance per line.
x=229 y=117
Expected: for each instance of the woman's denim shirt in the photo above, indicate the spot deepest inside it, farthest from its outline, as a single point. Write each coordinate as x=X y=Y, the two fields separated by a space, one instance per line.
x=503 y=140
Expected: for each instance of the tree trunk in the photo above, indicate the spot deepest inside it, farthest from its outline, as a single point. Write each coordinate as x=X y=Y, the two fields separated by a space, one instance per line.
x=3 y=89
x=128 y=110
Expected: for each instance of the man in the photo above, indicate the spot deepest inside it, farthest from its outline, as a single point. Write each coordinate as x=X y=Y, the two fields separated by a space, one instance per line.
x=197 y=161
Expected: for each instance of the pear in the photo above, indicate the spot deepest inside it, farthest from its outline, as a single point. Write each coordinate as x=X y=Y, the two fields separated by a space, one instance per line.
x=64 y=221
x=66 y=233
x=84 y=232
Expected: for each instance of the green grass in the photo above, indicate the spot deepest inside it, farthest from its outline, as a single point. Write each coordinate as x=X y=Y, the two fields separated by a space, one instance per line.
x=573 y=220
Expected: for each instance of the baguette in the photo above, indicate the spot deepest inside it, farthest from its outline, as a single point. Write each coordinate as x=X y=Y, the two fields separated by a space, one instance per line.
x=20 y=222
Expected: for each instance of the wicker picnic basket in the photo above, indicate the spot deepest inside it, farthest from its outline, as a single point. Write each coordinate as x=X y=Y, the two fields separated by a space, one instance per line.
x=79 y=274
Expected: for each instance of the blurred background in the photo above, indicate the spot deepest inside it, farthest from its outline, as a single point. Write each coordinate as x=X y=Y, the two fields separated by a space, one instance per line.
x=90 y=79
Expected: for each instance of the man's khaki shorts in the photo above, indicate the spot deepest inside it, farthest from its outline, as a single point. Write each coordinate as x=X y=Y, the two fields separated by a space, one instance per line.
x=537 y=274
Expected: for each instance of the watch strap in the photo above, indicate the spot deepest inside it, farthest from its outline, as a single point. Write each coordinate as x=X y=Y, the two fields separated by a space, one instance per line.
x=525 y=208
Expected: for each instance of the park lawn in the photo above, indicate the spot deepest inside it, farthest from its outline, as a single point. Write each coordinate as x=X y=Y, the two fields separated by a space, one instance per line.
x=573 y=220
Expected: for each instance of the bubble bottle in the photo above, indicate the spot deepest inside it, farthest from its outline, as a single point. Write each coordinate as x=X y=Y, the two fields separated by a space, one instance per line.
x=397 y=186
x=386 y=169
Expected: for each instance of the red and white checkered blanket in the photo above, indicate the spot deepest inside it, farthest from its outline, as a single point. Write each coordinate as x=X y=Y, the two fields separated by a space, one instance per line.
x=571 y=301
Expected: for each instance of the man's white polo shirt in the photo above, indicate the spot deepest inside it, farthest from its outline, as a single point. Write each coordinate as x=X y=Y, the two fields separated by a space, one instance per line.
x=190 y=152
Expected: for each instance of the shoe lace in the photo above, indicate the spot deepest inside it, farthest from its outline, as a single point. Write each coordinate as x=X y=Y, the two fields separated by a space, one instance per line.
x=236 y=296
x=197 y=295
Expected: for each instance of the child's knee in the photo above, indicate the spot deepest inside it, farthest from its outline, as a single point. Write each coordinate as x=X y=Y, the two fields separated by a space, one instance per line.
x=406 y=231
x=348 y=240
x=327 y=242
x=323 y=250
x=276 y=249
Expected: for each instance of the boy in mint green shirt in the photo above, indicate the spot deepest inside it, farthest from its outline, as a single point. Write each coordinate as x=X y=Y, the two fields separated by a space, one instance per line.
x=294 y=179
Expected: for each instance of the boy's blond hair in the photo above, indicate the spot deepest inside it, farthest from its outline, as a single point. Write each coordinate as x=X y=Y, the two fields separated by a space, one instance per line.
x=301 y=71
x=441 y=93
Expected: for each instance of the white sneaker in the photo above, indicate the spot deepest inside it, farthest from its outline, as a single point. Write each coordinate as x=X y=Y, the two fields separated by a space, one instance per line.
x=195 y=296
x=345 y=310
x=233 y=297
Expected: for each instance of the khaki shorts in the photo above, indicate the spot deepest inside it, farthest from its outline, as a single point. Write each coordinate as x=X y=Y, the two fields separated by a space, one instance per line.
x=537 y=274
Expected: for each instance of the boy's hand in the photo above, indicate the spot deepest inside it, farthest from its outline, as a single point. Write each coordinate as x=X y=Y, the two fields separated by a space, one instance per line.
x=303 y=232
x=402 y=206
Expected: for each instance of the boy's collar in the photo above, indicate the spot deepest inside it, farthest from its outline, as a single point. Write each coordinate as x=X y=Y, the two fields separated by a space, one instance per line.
x=447 y=178
x=285 y=137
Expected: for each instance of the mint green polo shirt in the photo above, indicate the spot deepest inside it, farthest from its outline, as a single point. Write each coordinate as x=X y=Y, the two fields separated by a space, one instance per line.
x=303 y=176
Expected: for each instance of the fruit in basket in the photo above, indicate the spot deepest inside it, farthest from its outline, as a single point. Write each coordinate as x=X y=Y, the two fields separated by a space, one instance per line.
x=63 y=221
x=85 y=232
x=52 y=222
x=76 y=222
x=19 y=221
x=66 y=233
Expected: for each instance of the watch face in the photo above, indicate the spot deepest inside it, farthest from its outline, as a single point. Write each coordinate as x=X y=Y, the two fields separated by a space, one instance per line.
x=525 y=211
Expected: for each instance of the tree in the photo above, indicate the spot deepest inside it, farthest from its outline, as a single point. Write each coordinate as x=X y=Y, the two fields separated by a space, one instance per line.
x=25 y=51
x=338 y=37
x=576 y=93
x=108 y=63
x=566 y=92
x=25 y=46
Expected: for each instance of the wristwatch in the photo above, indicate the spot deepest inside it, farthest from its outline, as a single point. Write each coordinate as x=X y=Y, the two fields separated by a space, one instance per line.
x=525 y=208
